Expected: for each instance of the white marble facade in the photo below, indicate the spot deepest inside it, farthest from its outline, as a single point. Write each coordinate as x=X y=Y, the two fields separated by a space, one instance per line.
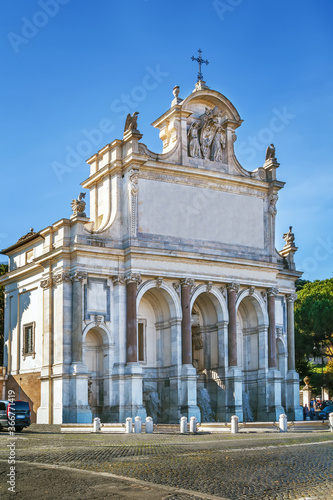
x=172 y=286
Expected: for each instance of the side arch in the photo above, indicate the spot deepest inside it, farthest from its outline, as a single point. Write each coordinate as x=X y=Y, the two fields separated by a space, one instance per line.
x=258 y=303
x=217 y=299
x=106 y=335
x=169 y=294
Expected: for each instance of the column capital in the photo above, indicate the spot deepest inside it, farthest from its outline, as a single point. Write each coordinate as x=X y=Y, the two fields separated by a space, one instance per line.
x=132 y=278
x=187 y=282
x=78 y=276
x=291 y=297
x=271 y=292
x=62 y=277
x=118 y=280
x=46 y=283
x=233 y=286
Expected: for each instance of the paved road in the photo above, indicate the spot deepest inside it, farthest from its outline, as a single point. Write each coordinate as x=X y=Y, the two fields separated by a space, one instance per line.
x=54 y=466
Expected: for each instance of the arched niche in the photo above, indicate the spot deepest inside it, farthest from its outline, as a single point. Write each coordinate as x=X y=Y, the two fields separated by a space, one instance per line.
x=159 y=347
x=251 y=347
x=96 y=344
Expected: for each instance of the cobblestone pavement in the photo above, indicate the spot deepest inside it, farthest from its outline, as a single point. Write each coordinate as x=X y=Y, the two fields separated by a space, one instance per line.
x=183 y=467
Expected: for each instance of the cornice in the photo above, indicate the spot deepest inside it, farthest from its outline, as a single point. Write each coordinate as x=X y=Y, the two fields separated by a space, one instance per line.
x=184 y=174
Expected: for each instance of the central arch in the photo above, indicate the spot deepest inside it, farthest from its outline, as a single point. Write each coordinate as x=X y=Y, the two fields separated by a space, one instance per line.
x=159 y=349
x=209 y=330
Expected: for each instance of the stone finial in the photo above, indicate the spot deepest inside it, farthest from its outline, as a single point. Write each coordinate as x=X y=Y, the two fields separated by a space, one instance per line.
x=78 y=206
x=176 y=99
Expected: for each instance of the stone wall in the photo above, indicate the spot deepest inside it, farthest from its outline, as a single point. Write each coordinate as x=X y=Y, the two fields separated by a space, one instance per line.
x=30 y=390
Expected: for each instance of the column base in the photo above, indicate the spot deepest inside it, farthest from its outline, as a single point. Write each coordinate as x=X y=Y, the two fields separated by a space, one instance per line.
x=234 y=394
x=275 y=409
x=189 y=407
x=133 y=395
x=78 y=414
x=294 y=410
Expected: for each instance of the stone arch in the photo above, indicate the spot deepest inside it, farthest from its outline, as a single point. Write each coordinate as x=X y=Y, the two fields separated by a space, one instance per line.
x=159 y=332
x=96 y=355
x=217 y=299
x=106 y=335
x=171 y=296
x=209 y=344
x=258 y=303
x=252 y=324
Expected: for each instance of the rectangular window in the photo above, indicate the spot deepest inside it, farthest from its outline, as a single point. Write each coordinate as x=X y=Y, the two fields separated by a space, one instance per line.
x=141 y=341
x=29 y=339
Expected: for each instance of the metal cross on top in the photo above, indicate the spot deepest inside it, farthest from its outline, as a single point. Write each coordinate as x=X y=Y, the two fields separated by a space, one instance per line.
x=200 y=61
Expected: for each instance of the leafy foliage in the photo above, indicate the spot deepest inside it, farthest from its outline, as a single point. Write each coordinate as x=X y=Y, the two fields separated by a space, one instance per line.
x=313 y=323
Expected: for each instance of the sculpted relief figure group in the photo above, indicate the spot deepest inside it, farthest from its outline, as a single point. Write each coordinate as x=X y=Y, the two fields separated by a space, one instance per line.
x=207 y=137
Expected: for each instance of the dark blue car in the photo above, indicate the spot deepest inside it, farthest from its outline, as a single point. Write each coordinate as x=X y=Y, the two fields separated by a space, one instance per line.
x=324 y=414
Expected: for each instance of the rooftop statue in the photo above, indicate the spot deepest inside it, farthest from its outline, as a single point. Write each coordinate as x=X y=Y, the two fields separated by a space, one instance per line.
x=270 y=152
x=131 y=122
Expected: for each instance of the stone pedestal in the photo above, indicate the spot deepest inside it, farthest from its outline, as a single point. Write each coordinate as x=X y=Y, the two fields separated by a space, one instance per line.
x=234 y=396
x=133 y=393
x=293 y=408
x=79 y=410
x=189 y=406
x=275 y=409
x=307 y=395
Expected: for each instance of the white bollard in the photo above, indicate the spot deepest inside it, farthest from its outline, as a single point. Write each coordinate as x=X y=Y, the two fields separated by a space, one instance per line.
x=137 y=425
x=330 y=418
x=234 y=424
x=149 y=425
x=183 y=425
x=193 y=425
x=128 y=425
x=97 y=424
x=283 y=423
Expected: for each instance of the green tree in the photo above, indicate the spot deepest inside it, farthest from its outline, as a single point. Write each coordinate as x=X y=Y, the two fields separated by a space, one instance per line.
x=3 y=270
x=313 y=323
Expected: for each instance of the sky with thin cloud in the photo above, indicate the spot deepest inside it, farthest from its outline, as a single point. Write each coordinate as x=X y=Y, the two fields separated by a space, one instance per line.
x=73 y=69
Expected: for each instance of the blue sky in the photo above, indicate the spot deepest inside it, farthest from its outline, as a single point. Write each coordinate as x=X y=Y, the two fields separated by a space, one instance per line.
x=71 y=67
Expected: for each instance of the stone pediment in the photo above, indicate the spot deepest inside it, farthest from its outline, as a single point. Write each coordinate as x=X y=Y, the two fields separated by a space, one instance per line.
x=199 y=131
x=199 y=101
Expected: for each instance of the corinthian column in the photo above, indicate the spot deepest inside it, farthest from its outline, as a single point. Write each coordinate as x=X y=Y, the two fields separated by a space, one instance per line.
x=272 y=361
x=186 y=285
x=290 y=331
x=132 y=281
x=232 y=327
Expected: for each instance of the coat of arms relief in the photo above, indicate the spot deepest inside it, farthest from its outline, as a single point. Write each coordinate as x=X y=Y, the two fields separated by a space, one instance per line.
x=206 y=136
